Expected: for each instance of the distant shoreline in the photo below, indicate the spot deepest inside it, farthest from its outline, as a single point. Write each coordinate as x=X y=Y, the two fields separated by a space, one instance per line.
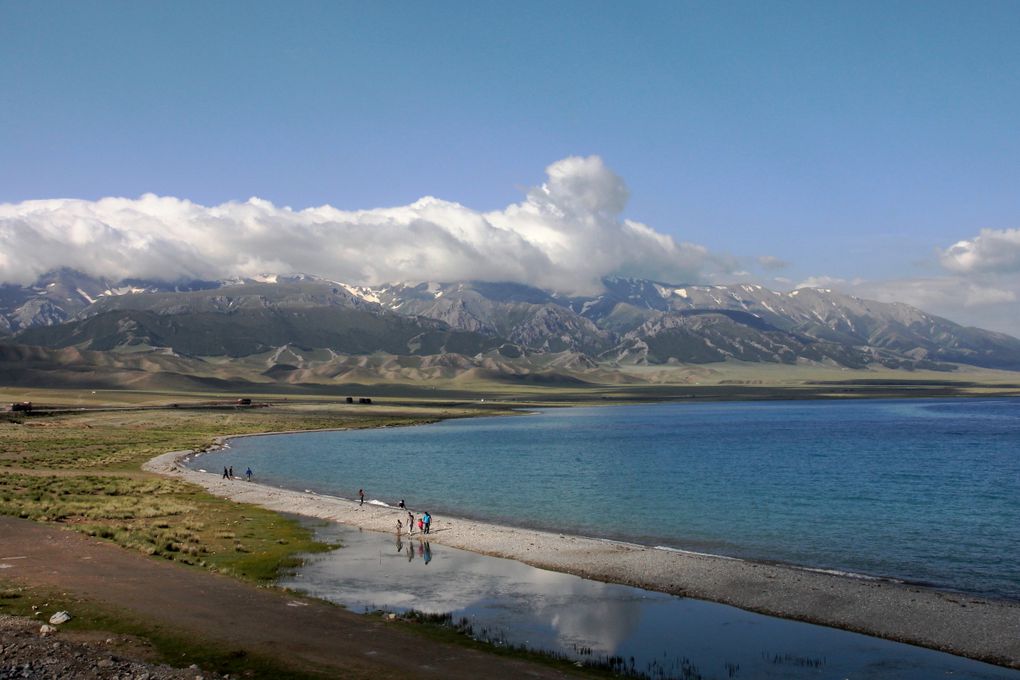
x=978 y=628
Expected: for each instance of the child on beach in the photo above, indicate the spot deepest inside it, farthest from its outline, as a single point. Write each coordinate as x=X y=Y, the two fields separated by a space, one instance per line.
x=361 y=494
x=400 y=527
x=410 y=523
x=421 y=526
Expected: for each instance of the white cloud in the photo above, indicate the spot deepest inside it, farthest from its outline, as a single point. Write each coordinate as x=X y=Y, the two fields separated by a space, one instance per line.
x=821 y=282
x=771 y=262
x=992 y=250
x=565 y=235
x=937 y=293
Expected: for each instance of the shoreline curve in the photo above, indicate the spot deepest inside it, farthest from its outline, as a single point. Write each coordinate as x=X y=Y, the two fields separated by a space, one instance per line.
x=978 y=628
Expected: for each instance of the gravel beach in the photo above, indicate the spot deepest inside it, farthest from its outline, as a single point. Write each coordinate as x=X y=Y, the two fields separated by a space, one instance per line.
x=987 y=630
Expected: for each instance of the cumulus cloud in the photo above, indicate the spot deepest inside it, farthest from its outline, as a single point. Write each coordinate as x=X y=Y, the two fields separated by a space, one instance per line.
x=992 y=250
x=564 y=235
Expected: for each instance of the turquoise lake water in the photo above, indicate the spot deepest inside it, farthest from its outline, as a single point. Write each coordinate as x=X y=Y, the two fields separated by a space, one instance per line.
x=925 y=491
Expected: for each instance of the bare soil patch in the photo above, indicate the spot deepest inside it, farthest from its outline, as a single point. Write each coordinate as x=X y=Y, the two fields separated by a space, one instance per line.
x=307 y=635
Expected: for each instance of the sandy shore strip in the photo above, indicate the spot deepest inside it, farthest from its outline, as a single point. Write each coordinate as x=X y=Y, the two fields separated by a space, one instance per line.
x=987 y=630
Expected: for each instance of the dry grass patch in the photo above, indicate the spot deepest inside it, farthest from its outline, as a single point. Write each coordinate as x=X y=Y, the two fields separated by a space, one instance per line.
x=124 y=440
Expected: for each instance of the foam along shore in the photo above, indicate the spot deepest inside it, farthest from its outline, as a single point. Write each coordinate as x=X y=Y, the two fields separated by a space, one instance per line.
x=987 y=630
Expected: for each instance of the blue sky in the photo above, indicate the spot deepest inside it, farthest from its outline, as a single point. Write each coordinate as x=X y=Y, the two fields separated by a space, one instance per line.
x=854 y=142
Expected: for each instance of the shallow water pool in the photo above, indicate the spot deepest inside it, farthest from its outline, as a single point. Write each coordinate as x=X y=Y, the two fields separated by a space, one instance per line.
x=662 y=635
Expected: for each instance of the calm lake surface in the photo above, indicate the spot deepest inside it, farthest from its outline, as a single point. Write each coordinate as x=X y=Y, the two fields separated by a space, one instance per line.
x=926 y=491
x=660 y=635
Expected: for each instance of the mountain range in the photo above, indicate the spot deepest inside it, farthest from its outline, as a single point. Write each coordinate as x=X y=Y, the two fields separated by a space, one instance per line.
x=302 y=329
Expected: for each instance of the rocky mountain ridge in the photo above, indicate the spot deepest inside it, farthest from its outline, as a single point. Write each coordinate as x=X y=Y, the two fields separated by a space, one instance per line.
x=632 y=322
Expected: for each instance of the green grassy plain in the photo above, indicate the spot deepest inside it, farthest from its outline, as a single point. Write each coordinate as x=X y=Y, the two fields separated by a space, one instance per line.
x=82 y=470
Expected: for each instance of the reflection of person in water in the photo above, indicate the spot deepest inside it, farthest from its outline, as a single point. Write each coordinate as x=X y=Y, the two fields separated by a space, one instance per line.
x=400 y=543
x=428 y=553
x=410 y=551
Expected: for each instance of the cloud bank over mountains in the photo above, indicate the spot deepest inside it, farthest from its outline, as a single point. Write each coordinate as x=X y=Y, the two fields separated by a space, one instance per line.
x=565 y=235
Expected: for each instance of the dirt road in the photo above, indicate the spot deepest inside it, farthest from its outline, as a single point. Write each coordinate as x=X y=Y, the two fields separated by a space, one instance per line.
x=218 y=609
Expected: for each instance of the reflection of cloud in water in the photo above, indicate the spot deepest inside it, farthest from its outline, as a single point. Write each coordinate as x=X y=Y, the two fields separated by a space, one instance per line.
x=586 y=613
x=374 y=572
x=549 y=610
x=601 y=625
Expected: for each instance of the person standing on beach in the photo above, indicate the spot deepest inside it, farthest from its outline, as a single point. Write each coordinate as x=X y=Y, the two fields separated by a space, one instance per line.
x=400 y=528
x=428 y=521
x=421 y=524
x=410 y=523
x=231 y=471
x=225 y=473
x=361 y=494
x=248 y=473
